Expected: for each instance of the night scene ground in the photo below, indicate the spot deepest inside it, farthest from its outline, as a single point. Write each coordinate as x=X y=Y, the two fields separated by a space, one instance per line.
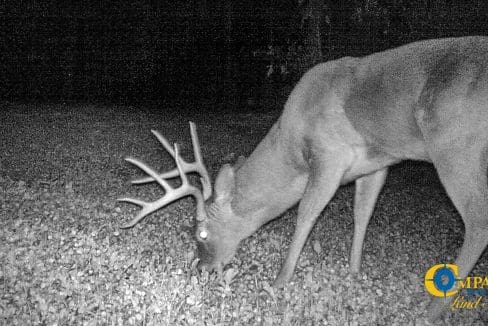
x=81 y=88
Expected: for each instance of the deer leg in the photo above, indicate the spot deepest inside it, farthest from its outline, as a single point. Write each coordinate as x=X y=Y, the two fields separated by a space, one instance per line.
x=463 y=174
x=367 y=191
x=324 y=179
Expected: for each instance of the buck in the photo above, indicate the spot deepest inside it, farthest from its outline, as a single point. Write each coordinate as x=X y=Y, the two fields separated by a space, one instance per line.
x=349 y=120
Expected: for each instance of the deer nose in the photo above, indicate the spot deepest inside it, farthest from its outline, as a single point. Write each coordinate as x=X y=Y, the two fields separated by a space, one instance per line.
x=208 y=261
x=209 y=266
x=204 y=265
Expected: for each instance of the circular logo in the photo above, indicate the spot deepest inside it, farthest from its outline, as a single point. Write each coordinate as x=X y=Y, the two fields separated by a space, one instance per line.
x=440 y=280
x=444 y=279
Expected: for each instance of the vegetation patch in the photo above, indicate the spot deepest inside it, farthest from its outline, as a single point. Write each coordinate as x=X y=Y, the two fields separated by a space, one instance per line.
x=64 y=260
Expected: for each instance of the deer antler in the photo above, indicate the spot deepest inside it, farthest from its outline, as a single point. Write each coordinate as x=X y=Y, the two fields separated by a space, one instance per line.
x=198 y=166
x=172 y=194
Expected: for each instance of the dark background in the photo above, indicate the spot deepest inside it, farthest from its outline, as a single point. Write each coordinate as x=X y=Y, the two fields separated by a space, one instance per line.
x=202 y=53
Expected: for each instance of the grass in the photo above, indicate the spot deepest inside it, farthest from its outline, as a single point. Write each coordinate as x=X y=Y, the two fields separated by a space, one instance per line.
x=64 y=260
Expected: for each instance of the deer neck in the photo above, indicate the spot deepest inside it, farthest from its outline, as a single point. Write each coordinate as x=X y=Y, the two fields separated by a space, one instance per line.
x=268 y=182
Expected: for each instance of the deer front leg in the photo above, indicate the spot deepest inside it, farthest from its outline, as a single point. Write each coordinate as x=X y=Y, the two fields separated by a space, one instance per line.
x=325 y=177
x=367 y=191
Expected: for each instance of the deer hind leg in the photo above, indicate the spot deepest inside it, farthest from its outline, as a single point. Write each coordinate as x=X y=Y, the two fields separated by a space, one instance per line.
x=462 y=170
x=365 y=197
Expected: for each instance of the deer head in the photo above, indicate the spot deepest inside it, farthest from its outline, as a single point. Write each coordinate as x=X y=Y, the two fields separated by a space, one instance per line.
x=218 y=228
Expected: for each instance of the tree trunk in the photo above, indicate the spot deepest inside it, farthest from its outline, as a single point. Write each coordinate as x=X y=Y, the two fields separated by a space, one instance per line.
x=312 y=22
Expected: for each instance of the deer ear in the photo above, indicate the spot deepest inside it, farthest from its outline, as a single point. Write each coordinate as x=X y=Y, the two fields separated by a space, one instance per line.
x=224 y=184
x=240 y=161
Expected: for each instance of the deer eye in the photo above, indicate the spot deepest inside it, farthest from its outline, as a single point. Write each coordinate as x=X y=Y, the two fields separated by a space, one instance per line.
x=203 y=234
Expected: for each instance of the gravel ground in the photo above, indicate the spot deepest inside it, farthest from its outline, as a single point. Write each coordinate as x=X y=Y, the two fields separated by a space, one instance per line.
x=64 y=260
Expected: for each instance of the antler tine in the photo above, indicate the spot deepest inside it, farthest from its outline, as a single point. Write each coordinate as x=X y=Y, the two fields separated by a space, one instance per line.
x=163 y=142
x=153 y=174
x=146 y=210
x=167 y=175
x=198 y=164
x=171 y=194
x=178 y=159
x=195 y=192
x=147 y=207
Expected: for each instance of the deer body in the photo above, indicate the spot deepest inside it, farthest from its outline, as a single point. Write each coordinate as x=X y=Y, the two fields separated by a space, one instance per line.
x=348 y=120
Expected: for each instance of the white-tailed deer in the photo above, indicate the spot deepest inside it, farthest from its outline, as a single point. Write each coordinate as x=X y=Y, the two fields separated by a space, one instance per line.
x=348 y=120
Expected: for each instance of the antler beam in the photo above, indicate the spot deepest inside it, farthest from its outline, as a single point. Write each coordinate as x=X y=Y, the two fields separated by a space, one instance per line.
x=197 y=166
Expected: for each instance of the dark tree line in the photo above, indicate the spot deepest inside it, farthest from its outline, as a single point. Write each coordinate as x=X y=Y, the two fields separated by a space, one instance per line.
x=201 y=50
